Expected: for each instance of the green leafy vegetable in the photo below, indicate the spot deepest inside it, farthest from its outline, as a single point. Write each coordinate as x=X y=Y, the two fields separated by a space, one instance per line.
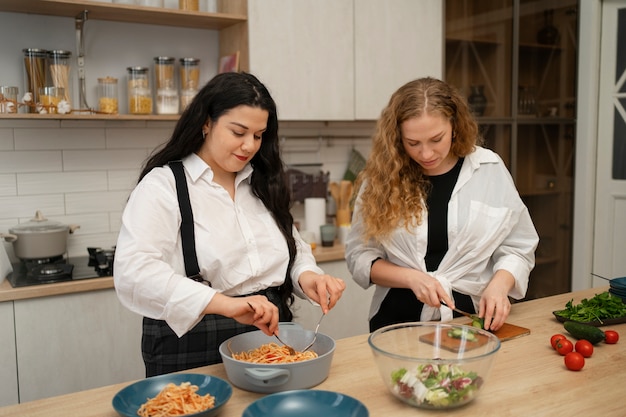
x=600 y=307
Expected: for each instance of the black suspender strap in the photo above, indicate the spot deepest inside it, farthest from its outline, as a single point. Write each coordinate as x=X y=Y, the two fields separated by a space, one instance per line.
x=186 y=228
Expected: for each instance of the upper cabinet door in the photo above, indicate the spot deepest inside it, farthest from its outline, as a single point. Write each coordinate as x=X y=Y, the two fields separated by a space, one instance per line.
x=395 y=41
x=303 y=52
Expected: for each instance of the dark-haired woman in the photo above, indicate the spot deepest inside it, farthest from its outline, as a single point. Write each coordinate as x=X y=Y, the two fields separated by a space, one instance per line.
x=249 y=259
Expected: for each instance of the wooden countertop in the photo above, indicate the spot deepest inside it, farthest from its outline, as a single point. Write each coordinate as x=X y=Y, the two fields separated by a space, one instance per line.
x=528 y=377
x=8 y=293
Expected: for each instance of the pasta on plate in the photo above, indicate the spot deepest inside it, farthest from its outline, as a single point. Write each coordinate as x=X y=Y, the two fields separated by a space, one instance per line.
x=176 y=400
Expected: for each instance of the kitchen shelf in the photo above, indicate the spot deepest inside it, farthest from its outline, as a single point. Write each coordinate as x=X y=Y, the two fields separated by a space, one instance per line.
x=36 y=116
x=125 y=13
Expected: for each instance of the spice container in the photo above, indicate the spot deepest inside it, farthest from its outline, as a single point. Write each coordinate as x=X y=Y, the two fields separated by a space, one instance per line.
x=189 y=5
x=107 y=95
x=166 y=93
x=139 y=93
x=59 y=70
x=35 y=73
x=189 y=80
x=8 y=99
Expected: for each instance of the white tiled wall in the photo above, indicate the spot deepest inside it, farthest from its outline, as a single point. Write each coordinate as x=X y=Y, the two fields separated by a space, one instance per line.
x=81 y=172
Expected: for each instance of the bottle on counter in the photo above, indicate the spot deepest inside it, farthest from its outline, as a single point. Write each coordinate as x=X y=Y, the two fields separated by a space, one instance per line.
x=167 y=101
x=59 y=71
x=35 y=74
x=189 y=80
x=139 y=92
x=107 y=95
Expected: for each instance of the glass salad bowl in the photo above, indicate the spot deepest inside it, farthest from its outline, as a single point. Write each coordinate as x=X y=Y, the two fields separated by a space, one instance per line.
x=434 y=365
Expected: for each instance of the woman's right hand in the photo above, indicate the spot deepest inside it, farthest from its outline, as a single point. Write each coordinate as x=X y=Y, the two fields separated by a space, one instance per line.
x=425 y=287
x=429 y=291
x=255 y=310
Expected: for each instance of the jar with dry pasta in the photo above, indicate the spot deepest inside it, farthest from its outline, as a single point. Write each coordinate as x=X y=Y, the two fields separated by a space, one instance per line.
x=139 y=92
x=59 y=71
x=189 y=80
x=107 y=95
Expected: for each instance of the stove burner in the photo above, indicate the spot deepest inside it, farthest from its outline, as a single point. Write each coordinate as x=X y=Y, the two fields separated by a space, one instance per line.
x=50 y=269
x=102 y=260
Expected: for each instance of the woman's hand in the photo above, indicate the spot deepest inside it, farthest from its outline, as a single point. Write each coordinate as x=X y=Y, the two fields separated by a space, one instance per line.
x=495 y=305
x=255 y=310
x=429 y=291
x=324 y=289
x=426 y=288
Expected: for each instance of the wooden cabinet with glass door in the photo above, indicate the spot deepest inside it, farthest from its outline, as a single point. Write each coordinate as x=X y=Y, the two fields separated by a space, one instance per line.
x=516 y=62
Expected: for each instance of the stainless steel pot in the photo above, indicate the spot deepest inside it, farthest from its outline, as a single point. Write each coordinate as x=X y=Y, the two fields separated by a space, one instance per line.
x=39 y=238
x=270 y=378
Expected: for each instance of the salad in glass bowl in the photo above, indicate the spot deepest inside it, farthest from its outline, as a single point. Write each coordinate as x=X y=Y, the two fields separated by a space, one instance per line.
x=434 y=365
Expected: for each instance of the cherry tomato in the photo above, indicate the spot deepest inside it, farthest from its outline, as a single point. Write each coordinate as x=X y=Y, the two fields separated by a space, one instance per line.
x=574 y=361
x=611 y=337
x=555 y=338
x=564 y=346
x=584 y=347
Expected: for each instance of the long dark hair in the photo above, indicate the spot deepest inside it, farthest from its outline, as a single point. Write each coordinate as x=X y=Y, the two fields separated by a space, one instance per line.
x=222 y=93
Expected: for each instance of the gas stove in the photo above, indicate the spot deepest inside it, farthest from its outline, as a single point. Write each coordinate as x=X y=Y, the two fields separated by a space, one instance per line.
x=27 y=272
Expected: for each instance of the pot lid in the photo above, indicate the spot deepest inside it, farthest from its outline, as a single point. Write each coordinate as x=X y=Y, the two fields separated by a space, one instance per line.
x=38 y=224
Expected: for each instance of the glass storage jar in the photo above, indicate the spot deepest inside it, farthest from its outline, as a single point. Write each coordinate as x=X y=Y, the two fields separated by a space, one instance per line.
x=190 y=5
x=8 y=99
x=139 y=92
x=59 y=71
x=189 y=80
x=107 y=95
x=35 y=74
x=166 y=91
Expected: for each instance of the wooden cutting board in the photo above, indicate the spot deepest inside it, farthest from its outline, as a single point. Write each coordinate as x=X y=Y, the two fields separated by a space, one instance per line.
x=506 y=332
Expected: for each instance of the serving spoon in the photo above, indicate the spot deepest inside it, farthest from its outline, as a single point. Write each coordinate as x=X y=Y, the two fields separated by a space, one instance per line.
x=315 y=335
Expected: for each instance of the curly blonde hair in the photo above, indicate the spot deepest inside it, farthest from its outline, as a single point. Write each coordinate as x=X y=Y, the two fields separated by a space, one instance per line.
x=395 y=187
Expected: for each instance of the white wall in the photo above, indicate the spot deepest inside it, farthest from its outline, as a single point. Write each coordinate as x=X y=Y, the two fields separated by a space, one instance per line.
x=81 y=172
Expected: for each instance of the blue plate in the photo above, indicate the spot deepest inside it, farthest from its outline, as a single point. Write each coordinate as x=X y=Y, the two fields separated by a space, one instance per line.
x=618 y=283
x=306 y=403
x=128 y=400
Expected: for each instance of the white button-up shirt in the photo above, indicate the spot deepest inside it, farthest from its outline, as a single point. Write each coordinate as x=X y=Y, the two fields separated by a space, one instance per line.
x=489 y=228
x=239 y=247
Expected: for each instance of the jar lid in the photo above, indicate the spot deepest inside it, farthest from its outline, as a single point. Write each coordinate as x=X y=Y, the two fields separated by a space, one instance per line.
x=59 y=53
x=189 y=61
x=108 y=80
x=164 y=60
x=38 y=224
x=137 y=70
x=35 y=52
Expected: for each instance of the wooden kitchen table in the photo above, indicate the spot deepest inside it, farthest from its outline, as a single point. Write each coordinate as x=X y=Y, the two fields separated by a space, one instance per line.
x=528 y=377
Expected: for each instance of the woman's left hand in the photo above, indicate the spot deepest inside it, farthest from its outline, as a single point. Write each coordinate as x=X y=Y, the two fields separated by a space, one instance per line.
x=324 y=289
x=495 y=305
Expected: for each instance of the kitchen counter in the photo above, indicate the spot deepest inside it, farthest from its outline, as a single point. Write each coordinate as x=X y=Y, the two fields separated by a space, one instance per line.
x=528 y=377
x=8 y=293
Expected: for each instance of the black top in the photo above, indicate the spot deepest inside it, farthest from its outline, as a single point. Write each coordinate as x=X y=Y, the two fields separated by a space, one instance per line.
x=437 y=202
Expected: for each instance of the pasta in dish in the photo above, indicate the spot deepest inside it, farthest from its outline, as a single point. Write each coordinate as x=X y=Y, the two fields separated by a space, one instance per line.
x=176 y=400
x=273 y=353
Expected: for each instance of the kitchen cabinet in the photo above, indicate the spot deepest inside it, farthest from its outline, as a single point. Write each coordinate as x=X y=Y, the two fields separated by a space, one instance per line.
x=349 y=317
x=73 y=342
x=8 y=366
x=342 y=59
x=522 y=55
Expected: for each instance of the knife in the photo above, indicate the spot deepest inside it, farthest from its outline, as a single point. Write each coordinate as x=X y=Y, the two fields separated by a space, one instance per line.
x=466 y=314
